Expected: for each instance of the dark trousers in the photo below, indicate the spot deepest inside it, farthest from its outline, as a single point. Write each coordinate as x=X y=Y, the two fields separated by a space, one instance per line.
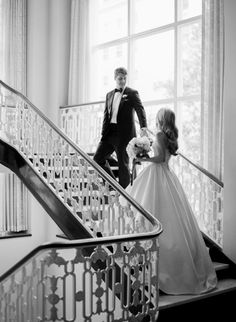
x=106 y=147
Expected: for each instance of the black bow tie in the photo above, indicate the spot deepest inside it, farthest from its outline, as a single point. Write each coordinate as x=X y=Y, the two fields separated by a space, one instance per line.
x=118 y=90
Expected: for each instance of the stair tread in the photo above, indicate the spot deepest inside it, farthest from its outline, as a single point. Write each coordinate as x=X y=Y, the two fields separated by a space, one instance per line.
x=223 y=286
x=220 y=266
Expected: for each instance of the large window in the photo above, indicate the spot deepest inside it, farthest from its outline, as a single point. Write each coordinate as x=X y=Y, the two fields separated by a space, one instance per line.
x=159 y=41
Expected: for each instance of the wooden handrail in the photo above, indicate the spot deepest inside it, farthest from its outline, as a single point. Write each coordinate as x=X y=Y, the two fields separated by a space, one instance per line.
x=81 y=104
x=79 y=243
x=201 y=169
x=197 y=166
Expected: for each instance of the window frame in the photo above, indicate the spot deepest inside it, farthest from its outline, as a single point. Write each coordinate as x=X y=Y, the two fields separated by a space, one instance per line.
x=175 y=26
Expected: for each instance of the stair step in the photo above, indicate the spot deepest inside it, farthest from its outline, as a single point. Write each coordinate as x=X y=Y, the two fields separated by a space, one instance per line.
x=169 y=301
x=220 y=266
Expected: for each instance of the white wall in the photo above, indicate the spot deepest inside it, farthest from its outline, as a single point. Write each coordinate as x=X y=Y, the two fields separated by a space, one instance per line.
x=14 y=249
x=48 y=30
x=230 y=130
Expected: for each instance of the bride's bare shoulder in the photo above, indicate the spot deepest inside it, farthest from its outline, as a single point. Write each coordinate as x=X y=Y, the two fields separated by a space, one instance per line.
x=161 y=138
x=161 y=142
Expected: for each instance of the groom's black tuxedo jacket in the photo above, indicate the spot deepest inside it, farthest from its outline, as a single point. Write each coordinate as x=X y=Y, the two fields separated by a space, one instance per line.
x=129 y=104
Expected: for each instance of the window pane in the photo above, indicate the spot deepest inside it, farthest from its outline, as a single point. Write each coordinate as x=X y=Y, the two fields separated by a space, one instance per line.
x=153 y=66
x=151 y=112
x=188 y=122
x=189 y=59
x=148 y=14
x=189 y=8
x=103 y=63
x=109 y=20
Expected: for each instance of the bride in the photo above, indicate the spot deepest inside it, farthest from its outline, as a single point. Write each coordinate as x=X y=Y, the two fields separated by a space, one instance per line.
x=185 y=266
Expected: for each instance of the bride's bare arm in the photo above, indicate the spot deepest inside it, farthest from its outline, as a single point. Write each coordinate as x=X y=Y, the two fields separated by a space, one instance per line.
x=160 y=156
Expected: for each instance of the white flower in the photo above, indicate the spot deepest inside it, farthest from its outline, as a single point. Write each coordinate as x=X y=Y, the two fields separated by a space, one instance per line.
x=141 y=145
x=124 y=96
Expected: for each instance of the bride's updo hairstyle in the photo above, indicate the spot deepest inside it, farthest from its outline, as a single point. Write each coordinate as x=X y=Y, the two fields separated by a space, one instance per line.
x=166 y=122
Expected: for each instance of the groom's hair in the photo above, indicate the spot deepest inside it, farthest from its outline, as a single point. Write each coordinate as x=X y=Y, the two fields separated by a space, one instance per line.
x=120 y=70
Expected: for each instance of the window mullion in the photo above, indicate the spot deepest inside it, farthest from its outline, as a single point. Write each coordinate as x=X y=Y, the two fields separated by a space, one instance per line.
x=129 y=48
x=145 y=33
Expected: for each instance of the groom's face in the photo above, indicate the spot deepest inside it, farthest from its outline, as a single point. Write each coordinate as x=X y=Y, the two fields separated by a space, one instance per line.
x=120 y=80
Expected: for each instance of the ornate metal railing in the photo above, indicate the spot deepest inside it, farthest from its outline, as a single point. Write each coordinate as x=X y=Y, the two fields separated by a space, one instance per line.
x=205 y=194
x=204 y=191
x=119 y=272
x=83 y=125
x=85 y=188
x=61 y=282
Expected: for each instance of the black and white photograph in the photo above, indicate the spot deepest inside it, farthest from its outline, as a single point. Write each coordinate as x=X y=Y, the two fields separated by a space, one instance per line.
x=117 y=160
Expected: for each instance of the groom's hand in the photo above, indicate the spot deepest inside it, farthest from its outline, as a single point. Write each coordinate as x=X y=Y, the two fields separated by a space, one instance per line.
x=143 y=131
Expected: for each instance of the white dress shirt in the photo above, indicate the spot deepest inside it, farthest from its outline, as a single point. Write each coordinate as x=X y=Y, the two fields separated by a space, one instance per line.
x=115 y=106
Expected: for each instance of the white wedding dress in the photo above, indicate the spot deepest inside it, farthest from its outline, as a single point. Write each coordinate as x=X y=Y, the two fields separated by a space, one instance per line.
x=185 y=266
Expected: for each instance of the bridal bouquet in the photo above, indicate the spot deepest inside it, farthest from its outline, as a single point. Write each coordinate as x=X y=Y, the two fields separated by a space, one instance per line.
x=139 y=147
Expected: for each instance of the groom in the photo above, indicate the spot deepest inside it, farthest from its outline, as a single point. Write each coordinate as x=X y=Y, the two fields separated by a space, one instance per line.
x=119 y=126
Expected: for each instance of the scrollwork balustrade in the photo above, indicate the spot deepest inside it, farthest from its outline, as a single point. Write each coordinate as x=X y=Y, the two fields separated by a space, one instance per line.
x=91 y=198
x=63 y=284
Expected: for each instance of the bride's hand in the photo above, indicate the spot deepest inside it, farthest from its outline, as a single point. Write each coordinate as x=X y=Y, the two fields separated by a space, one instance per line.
x=137 y=160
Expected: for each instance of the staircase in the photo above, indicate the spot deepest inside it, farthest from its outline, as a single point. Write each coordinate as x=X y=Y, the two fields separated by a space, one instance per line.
x=199 y=184
x=63 y=217
x=110 y=273
x=216 y=306
x=181 y=307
